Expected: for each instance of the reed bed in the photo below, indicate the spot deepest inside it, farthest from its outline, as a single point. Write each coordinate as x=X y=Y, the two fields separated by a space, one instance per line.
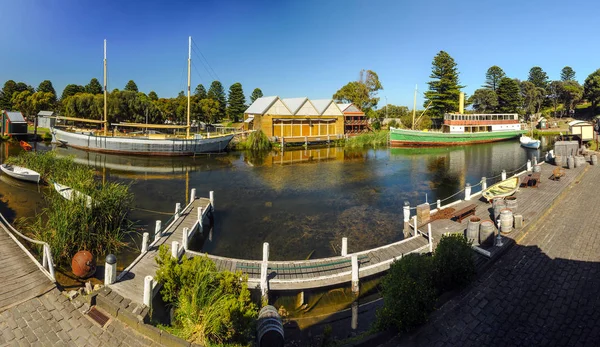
x=256 y=141
x=70 y=226
x=372 y=139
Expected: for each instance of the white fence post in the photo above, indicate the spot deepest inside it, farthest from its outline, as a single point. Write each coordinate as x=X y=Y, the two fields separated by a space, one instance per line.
x=264 y=268
x=175 y=249
x=529 y=165
x=344 y=246
x=193 y=195
x=148 y=291
x=483 y=183
x=184 y=239
x=467 y=192
x=145 y=240
x=429 y=237
x=406 y=211
x=177 y=210
x=355 y=284
x=503 y=175
x=110 y=270
x=157 y=230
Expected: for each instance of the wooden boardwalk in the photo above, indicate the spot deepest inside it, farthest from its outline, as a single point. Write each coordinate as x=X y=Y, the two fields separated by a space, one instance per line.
x=21 y=278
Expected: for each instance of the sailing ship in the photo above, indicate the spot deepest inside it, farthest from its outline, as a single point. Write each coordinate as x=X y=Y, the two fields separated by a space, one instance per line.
x=461 y=129
x=147 y=144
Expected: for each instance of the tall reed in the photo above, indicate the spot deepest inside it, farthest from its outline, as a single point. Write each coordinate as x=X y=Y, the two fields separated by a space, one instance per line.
x=256 y=141
x=373 y=139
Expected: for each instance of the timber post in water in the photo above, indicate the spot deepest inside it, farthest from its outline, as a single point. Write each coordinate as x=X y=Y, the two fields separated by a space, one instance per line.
x=110 y=270
x=193 y=194
x=467 y=192
x=177 y=210
x=344 y=246
x=184 y=239
x=439 y=204
x=175 y=249
x=355 y=284
x=211 y=197
x=145 y=240
x=148 y=290
x=503 y=175
x=200 y=220
x=483 y=183
x=406 y=211
x=157 y=230
x=264 y=268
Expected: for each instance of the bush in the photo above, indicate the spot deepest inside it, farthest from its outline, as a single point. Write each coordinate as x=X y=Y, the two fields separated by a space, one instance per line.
x=373 y=139
x=422 y=123
x=408 y=293
x=256 y=141
x=211 y=307
x=376 y=125
x=393 y=124
x=454 y=266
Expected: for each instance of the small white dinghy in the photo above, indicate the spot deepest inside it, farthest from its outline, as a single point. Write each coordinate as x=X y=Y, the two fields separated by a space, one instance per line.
x=70 y=194
x=528 y=142
x=20 y=173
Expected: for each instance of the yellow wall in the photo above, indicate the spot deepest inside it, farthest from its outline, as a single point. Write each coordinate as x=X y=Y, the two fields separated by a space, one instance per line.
x=265 y=123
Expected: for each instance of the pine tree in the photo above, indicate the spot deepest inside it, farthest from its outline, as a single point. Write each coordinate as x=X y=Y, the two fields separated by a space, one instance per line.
x=131 y=86
x=217 y=93
x=200 y=92
x=492 y=77
x=509 y=95
x=94 y=87
x=444 y=89
x=256 y=93
x=538 y=77
x=47 y=87
x=567 y=74
x=236 y=102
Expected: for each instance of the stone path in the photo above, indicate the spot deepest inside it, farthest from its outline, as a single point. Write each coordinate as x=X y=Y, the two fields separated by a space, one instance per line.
x=544 y=291
x=52 y=320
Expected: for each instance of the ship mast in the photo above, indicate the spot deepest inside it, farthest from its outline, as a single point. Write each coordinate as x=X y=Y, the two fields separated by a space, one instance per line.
x=189 y=87
x=414 y=108
x=105 y=105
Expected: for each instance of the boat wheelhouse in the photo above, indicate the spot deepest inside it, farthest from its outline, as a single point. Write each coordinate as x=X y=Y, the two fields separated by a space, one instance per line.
x=456 y=123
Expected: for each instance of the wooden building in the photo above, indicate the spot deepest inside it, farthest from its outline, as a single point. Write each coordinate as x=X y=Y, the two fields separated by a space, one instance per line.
x=582 y=129
x=295 y=119
x=355 y=121
x=13 y=123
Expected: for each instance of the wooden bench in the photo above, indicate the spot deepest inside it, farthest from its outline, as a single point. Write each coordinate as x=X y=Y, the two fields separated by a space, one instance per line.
x=525 y=181
x=534 y=180
x=464 y=213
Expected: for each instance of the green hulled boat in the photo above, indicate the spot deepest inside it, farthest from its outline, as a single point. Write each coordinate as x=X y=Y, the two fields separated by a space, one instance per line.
x=462 y=129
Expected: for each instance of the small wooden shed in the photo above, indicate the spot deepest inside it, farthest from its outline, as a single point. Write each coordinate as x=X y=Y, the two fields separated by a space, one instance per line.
x=13 y=123
x=582 y=129
x=46 y=119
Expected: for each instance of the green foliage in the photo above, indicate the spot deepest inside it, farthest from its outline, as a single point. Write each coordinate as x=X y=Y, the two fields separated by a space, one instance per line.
x=408 y=293
x=362 y=93
x=567 y=74
x=256 y=141
x=200 y=92
x=47 y=87
x=373 y=139
x=376 y=125
x=533 y=97
x=217 y=93
x=256 y=93
x=210 y=109
x=392 y=111
x=422 y=122
x=153 y=96
x=591 y=88
x=393 y=124
x=236 y=102
x=485 y=100
x=131 y=86
x=453 y=263
x=211 y=307
x=571 y=94
x=70 y=226
x=538 y=77
x=509 y=96
x=94 y=87
x=444 y=89
x=10 y=87
x=492 y=77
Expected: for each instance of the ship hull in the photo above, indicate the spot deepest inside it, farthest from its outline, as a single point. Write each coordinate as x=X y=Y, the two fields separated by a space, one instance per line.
x=401 y=137
x=140 y=146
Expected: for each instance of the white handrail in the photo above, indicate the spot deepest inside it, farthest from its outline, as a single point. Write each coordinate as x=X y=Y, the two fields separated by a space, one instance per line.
x=47 y=265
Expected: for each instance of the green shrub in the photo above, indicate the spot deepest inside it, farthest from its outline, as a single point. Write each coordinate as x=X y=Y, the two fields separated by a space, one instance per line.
x=211 y=307
x=454 y=266
x=408 y=293
x=421 y=123
x=256 y=141
x=376 y=125
x=372 y=139
x=393 y=124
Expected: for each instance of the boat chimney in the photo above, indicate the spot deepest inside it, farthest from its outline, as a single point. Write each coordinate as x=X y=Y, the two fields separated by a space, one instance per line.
x=461 y=103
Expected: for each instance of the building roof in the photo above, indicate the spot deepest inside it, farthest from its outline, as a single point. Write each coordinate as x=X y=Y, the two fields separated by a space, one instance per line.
x=573 y=122
x=15 y=117
x=343 y=107
x=294 y=104
x=261 y=105
x=321 y=104
x=46 y=113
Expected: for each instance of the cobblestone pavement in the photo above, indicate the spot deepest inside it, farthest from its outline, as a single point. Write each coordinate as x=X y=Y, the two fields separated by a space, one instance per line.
x=544 y=291
x=52 y=320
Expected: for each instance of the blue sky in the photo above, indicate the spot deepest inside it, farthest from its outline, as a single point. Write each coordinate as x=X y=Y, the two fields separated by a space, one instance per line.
x=292 y=48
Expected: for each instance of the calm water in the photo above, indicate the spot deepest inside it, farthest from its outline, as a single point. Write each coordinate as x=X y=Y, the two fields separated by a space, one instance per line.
x=302 y=202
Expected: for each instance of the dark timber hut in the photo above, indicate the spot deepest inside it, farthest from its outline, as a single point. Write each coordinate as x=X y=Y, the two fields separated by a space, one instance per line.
x=13 y=123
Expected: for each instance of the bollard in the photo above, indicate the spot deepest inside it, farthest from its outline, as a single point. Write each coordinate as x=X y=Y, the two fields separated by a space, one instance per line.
x=157 y=231
x=344 y=246
x=145 y=240
x=264 y=268
x=175 y=249
x=211 y=196
x=429 y=237
x=483 y=183
x=467 y=192
x=354 y=322
x=499 y=239
x=355 y=285
x=148 y=291
x=535 y=160
x=110 y=269
x=200 y=220
x=193 y=195
x=177 y=210
x=184 y=239
x=415 y=226
x=529 y=167
x=439 y=204
x=406 y=211
x=503 y=175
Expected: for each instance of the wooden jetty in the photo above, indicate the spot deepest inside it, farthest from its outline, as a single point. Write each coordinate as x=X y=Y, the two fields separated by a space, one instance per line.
x=21 y=275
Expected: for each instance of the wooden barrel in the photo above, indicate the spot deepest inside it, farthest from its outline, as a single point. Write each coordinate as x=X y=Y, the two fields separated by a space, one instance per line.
x=570 y=162
x=537 y=168
x=269 y=328
x=486 y=233
x=506 y=220
x=499 y=204
x=511 y=202
x=473 y=230
x=594 y=159
x=560 y=160
x=579 y=160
